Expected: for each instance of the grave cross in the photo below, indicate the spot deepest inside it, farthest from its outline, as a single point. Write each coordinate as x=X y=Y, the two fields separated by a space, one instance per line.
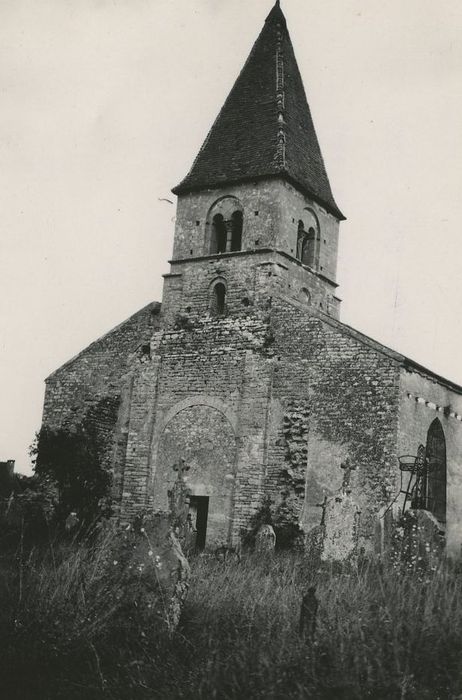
x=347 y=466
x=181 y=467
x=178 y=498
x=322 y=505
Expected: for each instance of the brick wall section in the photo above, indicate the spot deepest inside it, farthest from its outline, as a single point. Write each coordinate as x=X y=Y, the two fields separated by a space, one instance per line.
x=88 y=389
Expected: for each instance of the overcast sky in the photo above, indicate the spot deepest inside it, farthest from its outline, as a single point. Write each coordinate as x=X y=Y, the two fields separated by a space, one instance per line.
x=105 y=103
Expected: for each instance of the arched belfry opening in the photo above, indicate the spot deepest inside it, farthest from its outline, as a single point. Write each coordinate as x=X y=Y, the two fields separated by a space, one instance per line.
x=236 y=230
x=218 y=234
x=225 y=226
x=308 y=240
x=435 y=487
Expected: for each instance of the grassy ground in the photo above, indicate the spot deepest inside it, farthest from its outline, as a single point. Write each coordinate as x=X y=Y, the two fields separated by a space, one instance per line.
x=66 y=631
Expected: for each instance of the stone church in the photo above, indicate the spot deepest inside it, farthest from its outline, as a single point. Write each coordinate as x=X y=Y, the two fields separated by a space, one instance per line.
x=244 y=370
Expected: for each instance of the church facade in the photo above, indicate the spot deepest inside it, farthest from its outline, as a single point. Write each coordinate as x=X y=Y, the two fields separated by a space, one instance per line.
x=245 y=370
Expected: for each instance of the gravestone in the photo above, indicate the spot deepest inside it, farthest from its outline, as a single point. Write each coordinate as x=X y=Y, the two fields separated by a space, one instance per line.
x=157 y=572
x=265 y=540
x=340 y=521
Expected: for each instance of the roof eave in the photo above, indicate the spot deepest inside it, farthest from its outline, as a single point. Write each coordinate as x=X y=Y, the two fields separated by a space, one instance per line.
x=186 y=187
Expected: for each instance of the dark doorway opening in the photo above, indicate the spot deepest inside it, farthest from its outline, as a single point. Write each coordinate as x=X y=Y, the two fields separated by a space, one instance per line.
x=199 y=509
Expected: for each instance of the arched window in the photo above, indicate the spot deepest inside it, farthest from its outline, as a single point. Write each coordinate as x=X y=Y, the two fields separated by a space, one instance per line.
x=308 y=240
x=225 y=226
x=435 y=487
x=306 y=245
x=236 y=230
x=218 y=242
x=218 y=300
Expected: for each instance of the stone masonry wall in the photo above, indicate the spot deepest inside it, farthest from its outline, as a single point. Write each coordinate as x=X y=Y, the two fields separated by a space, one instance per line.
x=422 y=399
x=203 y=397
x=272 y=209
x=88 y=390
x=301 y=393
x=251 y=280
x=351 y=388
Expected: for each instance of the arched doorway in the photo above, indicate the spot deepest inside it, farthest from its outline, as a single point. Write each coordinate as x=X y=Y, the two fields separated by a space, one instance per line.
x=205 y=439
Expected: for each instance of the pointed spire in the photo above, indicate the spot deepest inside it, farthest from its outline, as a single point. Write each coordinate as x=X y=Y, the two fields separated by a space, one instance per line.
x=276 y=15
x=265 y=127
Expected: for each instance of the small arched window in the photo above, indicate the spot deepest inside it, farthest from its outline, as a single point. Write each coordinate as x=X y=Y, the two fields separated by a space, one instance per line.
x=218 y=242
x=435 y=487
x=218 y=300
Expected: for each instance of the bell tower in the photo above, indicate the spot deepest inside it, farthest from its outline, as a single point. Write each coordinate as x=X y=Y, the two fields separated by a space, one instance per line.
x=256 y=214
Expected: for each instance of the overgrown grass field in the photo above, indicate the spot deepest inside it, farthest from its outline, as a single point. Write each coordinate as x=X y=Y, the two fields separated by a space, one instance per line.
x=67 y=631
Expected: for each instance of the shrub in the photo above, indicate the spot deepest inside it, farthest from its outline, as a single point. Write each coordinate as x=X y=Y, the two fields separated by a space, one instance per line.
x=284 y=520
x=71 y=459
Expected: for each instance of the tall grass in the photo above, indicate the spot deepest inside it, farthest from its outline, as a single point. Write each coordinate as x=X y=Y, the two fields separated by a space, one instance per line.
x=67 y=630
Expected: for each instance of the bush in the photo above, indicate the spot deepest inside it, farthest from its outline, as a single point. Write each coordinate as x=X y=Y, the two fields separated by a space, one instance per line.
x=72 y=461
x=284 y=520
x=30 y=510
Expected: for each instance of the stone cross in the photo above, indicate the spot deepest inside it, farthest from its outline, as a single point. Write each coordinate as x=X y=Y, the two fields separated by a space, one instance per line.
x=347 y=466
x=322 y=505
x=181 y=467
x=178 y=497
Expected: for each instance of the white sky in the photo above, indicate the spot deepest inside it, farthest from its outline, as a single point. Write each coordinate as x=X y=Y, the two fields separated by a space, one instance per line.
x=105 y=103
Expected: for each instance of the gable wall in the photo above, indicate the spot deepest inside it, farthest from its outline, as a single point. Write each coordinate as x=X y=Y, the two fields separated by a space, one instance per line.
x=88 y=390
x=202 y=397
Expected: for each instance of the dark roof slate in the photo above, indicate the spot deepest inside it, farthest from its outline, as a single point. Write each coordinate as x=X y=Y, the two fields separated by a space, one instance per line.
x=265 y=126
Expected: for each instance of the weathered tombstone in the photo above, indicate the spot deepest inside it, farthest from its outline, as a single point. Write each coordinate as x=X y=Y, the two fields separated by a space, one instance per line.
x=227 y=552
x=265 y=540
x=419 y=540
x=340 y=521
x=157 y=571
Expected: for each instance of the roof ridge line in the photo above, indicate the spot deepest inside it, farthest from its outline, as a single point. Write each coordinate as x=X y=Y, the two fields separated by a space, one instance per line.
x=280 y=102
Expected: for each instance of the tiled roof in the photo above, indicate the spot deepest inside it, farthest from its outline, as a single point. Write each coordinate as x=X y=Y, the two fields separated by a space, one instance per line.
x=265 y=126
